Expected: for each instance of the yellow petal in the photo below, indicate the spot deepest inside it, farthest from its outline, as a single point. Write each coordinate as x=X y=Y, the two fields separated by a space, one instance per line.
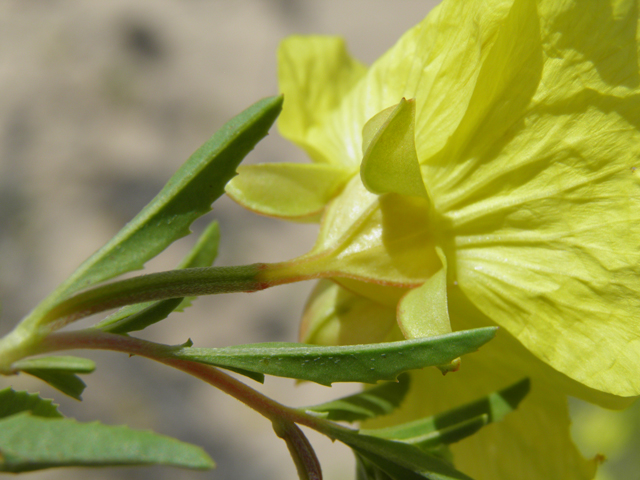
x=435 y=62
x=540 y=194
x=291 y=191
x=453 y=42
x=382 y=239
x=314 y=74
x=517 y=361
x=531 y=443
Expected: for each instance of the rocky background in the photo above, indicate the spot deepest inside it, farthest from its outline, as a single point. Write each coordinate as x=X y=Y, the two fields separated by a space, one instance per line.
x=100 y=102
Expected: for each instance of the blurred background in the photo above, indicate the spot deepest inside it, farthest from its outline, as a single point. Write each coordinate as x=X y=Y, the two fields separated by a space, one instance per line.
x=100 y=103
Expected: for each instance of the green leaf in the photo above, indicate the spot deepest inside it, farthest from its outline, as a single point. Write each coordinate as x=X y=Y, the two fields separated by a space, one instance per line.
x=258 y=377
x=385 y=468
x=205 y=251
x=456 y=424
x=455 y=433
x=398 y=460
x=373 y=402
x=62 y=363
x=365 y=470
x=59 y=372
x=30 y=443
x=353 y=363
x=141 y=315
x=12 y=402
x=186 y=196
x=67 y=383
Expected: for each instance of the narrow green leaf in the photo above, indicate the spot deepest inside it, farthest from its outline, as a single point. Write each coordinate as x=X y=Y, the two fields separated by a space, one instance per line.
x=365 y=470
x=353 y=363
x=62 y=363
x=59 y=372
x=67 y=383
x=399 y=460
x=205 y=251
x=372 y=402
x=12 y=402
x=30 y=443
x=451 y=434
x=186 y=196
x=450 y=425
x=384 y=468
x=258 y=377
x=141 y=315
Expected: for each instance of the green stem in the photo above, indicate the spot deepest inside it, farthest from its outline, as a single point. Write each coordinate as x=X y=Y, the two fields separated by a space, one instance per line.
x=156 y=286
x=188 y=282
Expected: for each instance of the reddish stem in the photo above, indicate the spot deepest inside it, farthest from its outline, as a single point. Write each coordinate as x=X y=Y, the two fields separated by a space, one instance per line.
x=97 y=340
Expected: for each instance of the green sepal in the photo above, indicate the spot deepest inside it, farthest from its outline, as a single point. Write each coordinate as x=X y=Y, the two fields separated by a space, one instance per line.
x=29 y=442
x=292 y=191
x=390 y=162
x=372 y=402
x=424 y=311
x=353 y=363
x=12 y=402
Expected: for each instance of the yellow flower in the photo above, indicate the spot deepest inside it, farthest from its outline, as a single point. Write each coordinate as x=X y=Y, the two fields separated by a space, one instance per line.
x=482 y=171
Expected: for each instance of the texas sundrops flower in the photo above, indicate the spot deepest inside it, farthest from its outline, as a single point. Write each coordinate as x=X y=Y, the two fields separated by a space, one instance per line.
x=482 y=171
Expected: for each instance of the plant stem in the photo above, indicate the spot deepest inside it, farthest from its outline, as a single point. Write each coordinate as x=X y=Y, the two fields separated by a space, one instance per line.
x=155 y=286
x=98 y=340
x=187 y=282
x=283 y=418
